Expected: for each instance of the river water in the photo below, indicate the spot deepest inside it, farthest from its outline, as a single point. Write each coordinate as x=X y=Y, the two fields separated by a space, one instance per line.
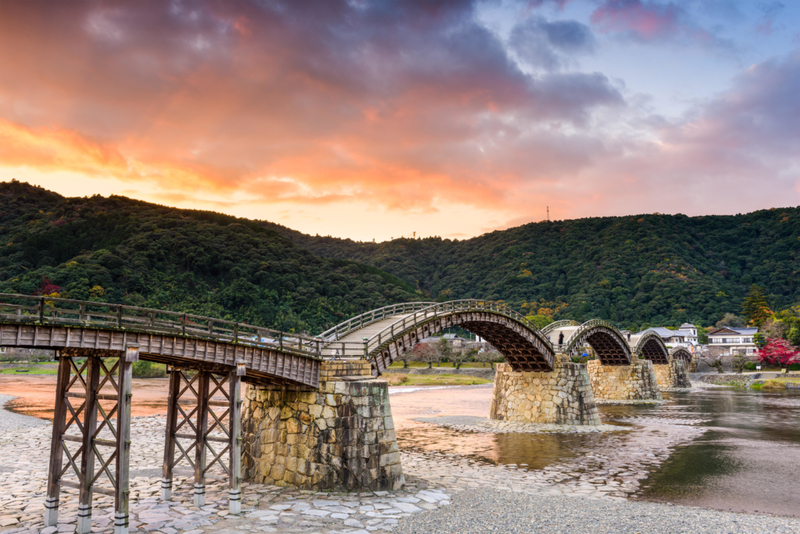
x=721 y=448
x=728 y=449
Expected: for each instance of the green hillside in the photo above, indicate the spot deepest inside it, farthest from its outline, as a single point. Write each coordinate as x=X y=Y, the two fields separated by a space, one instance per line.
x=637 y=271
x=126 y=251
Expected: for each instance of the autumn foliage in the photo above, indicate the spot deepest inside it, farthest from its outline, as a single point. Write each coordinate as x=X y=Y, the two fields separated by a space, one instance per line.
x=779 y=352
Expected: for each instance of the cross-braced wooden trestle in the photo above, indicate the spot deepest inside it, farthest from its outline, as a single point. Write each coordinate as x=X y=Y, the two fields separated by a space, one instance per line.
x=91 y=423
x=204 y=431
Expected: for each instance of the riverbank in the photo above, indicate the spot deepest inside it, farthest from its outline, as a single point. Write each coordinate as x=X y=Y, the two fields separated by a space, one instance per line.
x=569 y=482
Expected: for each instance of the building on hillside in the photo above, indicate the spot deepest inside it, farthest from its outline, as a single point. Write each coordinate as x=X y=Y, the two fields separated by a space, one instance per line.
x=731 y=341
x=686 y=335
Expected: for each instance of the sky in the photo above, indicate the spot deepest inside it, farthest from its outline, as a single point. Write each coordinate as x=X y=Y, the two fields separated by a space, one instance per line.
x=376 y=120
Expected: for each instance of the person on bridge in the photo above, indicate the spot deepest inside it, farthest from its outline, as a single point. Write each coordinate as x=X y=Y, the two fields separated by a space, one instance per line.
x=561 y=338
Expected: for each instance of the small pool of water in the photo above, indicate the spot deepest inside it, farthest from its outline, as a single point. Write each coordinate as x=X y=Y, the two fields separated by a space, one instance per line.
x=727 y=449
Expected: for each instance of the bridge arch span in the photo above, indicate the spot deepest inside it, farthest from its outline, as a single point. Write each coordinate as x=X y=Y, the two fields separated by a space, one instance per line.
x=681 y=353
x=652 y=347
x=605 y=339
x=523 y=345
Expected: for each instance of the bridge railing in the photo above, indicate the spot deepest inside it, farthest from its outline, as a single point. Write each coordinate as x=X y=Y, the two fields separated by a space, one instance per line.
x=372 y=316
x=559 y=324
x=366 y=347
x=79 y=313
x=572 y=342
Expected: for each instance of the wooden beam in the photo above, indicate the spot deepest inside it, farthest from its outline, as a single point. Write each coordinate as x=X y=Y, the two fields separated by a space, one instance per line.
x=169 y=436
x=200 y=451
x=122 y=496
x=235 y=450
x=56 y=451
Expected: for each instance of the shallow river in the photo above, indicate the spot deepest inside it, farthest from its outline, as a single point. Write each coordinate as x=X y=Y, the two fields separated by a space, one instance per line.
x=740 y=450
x=721 y=448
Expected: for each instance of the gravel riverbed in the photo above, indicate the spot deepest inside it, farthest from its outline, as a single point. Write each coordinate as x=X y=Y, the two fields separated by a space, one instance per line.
x=446 y=493
x=489 y=510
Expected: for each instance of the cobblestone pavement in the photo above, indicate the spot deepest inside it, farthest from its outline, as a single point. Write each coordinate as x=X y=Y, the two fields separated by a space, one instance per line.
x=608 y=475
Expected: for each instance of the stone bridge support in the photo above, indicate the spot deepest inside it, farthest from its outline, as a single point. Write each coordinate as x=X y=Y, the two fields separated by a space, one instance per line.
x=674 y=375
x=563 y=396
x=635 y=382
x=339 y=437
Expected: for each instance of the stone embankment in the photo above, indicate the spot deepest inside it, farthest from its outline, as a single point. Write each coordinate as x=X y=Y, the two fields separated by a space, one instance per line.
x=615 y=384
x=339 y=437
x=562 y=397
x=673 y=376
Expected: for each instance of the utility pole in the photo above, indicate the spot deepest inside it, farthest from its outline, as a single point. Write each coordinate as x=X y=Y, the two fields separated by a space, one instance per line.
x=548 y=213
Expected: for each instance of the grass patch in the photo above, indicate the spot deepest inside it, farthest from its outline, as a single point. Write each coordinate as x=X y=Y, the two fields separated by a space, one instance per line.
x=775 y=383
x=433 y=380
x=445 y=365
x=29 y=371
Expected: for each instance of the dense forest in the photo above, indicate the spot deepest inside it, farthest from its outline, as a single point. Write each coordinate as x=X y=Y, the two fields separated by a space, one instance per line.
x=636 y=271
x=126 y=251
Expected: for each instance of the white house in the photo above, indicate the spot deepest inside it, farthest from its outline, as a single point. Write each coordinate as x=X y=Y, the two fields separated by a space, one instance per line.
x=686 y=335
x=733 y=340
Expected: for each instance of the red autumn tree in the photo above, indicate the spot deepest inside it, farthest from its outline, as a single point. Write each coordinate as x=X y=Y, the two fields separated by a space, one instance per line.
x=47 y=287
x=778 y=352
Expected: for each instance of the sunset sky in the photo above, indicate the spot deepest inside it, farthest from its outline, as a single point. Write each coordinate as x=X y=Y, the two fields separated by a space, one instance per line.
x=373 y=120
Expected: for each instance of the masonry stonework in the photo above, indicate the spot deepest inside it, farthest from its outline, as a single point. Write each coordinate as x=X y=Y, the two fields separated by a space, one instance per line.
x=563 y=396
x=673 y=375
x=340 y=437
x=623 y=382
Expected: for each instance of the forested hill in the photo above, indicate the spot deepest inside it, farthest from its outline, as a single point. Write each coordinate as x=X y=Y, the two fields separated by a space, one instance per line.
x=126 y=251
x=637 y=271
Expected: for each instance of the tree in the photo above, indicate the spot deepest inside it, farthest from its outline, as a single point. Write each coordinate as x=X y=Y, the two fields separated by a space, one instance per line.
x=732 y=320
x=755 y=308
x=489 y=356
x=405 y=356
x=778 y=352
x=540 y=320
x=459 y=356
x=445 y=349
x=424 y=352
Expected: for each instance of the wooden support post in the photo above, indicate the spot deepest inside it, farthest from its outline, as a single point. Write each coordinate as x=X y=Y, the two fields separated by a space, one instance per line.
x=87 y=457
x=56 y=452
x=172 y=421
x=124 y=395
x=235 y=451
x=202 y=429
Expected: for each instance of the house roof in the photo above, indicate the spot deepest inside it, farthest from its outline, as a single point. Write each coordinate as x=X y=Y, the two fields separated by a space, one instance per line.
x=663 y=332
x=735 y=331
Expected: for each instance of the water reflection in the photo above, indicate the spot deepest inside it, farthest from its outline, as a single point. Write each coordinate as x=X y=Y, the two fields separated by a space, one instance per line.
x=721 y=448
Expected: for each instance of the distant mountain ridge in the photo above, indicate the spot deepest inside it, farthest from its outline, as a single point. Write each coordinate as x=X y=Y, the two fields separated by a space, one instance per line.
x=636 y=271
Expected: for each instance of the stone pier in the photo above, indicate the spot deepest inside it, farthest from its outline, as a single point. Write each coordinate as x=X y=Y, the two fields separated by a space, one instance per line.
x=635 y=382
x=339 y=438
x=673 y=375
x=562 y=396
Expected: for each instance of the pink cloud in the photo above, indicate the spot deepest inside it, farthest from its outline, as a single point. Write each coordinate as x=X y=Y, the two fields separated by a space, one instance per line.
x=645 y=21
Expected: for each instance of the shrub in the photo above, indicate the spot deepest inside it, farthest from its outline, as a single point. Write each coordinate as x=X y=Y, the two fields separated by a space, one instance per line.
x=750 y=366
x=794 y=366
x=143 y=369
x=395 y=379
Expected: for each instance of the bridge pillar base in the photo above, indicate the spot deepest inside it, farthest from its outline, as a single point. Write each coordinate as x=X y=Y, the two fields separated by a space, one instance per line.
x=562 y=396
x=623 y=382
x=340 y=437
x=673 y=375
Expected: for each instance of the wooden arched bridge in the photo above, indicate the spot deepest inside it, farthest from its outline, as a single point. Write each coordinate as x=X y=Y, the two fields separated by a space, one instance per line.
x=97 y=343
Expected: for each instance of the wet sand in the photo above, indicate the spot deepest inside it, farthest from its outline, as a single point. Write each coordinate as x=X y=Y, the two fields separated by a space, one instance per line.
x=35 y=395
